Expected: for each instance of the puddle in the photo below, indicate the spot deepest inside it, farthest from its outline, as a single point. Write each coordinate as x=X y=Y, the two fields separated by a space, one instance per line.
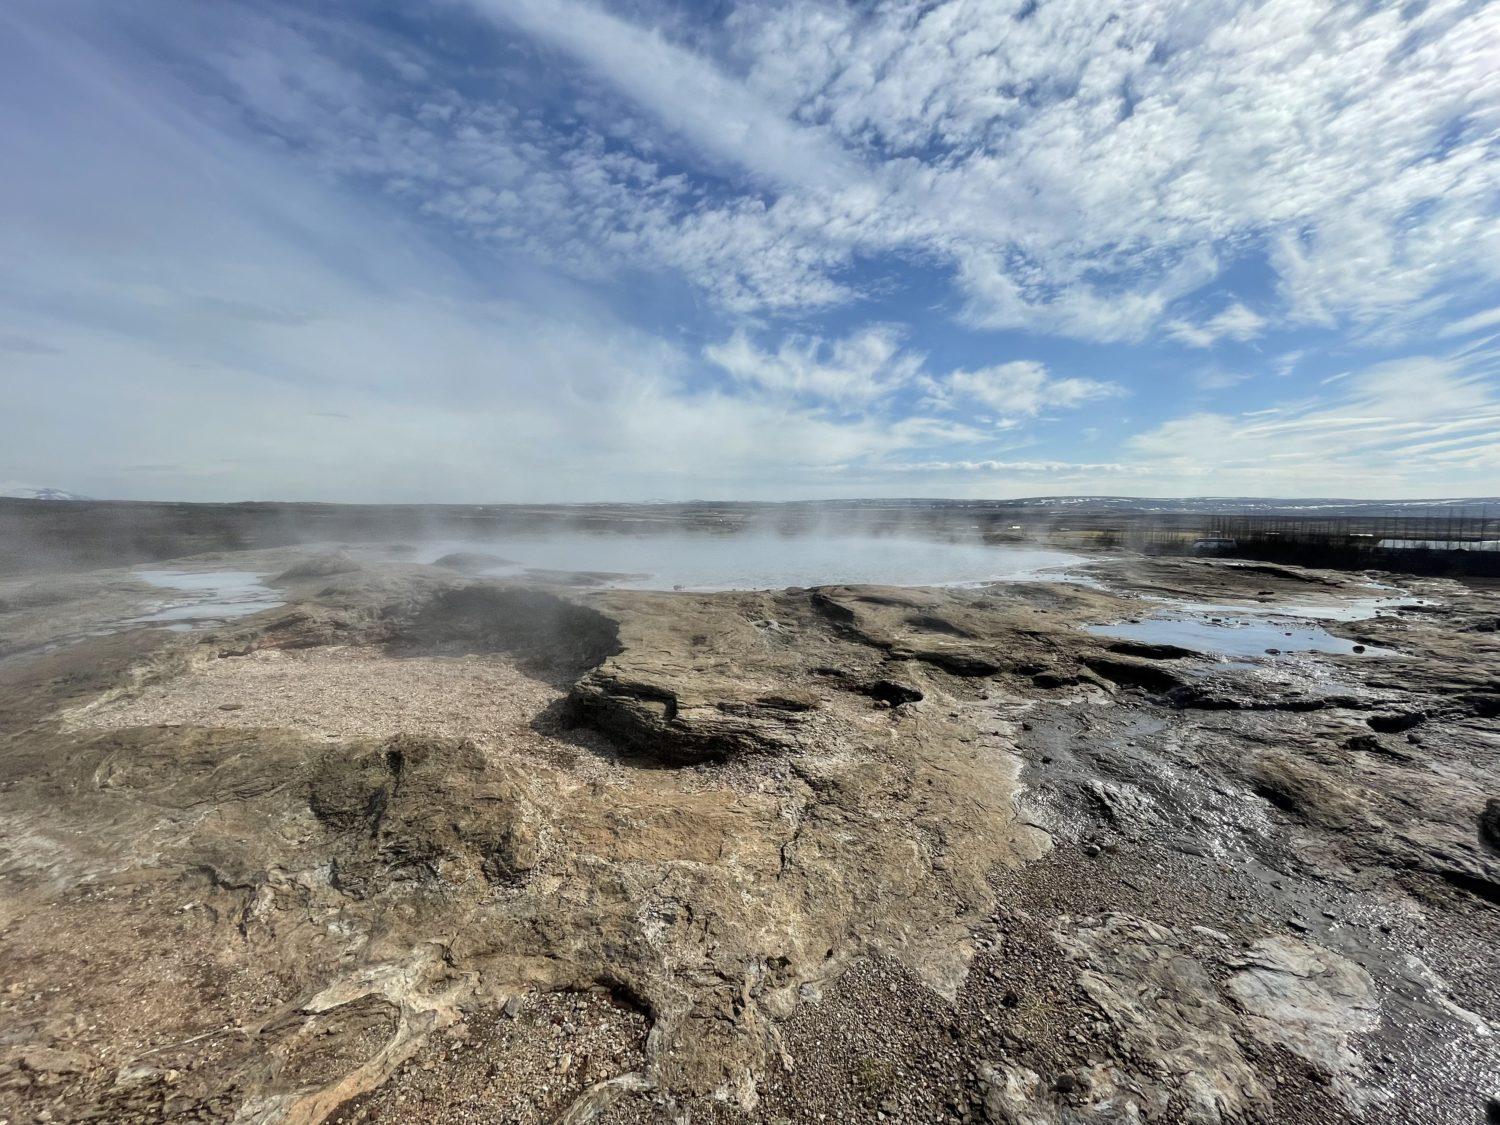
x=1238 y=632
x=1355 y=609
x=757 y=562
x=205 y=597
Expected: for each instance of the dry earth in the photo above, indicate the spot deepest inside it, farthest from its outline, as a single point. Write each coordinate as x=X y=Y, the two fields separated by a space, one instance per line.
x=421 y=847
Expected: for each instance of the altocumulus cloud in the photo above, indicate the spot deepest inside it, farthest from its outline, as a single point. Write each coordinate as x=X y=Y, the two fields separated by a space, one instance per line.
x=570 y=249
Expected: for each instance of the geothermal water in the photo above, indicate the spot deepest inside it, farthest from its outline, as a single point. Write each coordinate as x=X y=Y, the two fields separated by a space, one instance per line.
x=1246 y=631
x=206 y=597
x=761 y=562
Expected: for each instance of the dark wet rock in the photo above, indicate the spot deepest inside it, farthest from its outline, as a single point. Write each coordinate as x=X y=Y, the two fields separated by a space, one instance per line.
x=1148 y=651
x=1489 y=823
x=1201 y=697
x=890 y=692
x=1133 y=673
x=1395 y=722
x=1051 y=680
x=1370 y=744
x=960 y=662
x=1218 y=696
x=1483 y=706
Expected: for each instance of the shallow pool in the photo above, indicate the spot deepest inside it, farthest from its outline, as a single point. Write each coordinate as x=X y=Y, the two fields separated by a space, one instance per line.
x=1237 y=631
x=759 y=562
x=205 y=597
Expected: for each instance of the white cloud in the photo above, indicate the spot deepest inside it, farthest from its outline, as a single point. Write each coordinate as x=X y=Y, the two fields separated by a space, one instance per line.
x=1217 y=378
x=1020 y=388
x=717 y=113
x=1287 y=362
x=1033 y=152
x=857 y=369
x=1046 y=468
x=865 y=369
x=1478 y=322
x=1078 y=171
x=1234 y=322
x=1409 y=427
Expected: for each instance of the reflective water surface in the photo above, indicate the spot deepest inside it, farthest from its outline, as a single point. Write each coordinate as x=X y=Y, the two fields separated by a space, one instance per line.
x=206 y=597
x=759 y=562
x=1229 y=630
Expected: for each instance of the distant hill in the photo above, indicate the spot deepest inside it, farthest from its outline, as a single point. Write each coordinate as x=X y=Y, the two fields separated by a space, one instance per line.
x=1308 y=507
x=14 y=490
x=1262 y=505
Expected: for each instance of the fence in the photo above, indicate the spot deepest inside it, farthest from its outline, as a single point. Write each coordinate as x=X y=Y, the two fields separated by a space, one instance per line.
x=1437 y=542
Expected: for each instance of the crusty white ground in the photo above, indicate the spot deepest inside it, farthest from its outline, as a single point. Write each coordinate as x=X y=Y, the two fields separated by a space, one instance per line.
x=338 y=693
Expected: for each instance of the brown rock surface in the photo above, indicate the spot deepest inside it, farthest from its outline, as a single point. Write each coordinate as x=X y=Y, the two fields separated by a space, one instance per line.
x=418 y=847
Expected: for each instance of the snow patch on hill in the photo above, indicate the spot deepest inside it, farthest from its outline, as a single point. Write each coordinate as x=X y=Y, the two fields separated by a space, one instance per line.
x=15 y=490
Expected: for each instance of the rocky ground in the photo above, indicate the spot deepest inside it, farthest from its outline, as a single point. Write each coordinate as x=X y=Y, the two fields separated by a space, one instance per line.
x=419 y=846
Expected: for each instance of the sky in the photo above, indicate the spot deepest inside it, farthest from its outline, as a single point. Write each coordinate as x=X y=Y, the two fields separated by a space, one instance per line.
x=560 y=250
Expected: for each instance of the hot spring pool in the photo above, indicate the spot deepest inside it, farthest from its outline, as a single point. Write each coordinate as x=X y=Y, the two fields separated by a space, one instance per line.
x=759 y=562
x=205 y=597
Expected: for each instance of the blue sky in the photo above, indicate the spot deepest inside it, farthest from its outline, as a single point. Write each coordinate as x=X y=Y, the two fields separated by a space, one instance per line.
x=491 y=250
